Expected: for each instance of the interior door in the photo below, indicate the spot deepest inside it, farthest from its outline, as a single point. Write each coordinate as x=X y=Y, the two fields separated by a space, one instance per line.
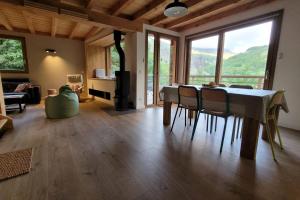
x=161 y=55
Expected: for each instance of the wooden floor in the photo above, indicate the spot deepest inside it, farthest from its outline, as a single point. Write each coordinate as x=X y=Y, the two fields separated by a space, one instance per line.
x=99 y=155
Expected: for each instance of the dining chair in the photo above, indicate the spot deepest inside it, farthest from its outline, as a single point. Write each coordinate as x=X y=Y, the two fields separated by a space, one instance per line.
x=236 y=130
x=188 y=99
x=215 y=102
x=271 y=115
x=212 y=118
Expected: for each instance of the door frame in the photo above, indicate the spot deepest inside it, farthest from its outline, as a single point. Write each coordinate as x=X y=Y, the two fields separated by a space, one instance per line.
x=276 y=18
x=157 y=37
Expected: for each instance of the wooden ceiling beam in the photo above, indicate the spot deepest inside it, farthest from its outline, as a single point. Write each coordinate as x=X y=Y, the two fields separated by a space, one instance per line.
x=199 y=13
x=74 y=29
x=224 y=14
x=89 y=4
x=159 y=18
x=54 y=26
x=147 y=9
x=121 y=4
x=92 y=32
x=29 y=23
x=101 y=34
x=5 y=22
x=94 y=18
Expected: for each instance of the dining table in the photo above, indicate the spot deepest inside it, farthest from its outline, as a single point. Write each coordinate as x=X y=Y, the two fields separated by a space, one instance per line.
x=250 y=104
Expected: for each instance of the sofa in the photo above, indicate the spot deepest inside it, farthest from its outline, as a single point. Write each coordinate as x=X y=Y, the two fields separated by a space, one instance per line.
x=63 y=105
x=32 y=93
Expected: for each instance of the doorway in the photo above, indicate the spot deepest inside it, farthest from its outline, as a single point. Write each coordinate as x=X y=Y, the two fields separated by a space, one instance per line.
x=161 y=65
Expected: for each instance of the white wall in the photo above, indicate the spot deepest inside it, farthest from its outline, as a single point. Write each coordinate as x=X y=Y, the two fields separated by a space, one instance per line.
x=288 y=66
x=46 y=70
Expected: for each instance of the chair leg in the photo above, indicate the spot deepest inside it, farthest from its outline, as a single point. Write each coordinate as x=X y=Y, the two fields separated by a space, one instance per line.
x=233 y=130
x=207 y=122
x=211 y=123
x=270 y=139
x=238 y=128
x=185 y=117
x=180 y=112
x=195 y=124
x=216 y=124
x=278 y=133
x=174 y=119
x=223 y=136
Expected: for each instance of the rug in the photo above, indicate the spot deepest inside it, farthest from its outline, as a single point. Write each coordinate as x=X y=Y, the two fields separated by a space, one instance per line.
x=16 y=163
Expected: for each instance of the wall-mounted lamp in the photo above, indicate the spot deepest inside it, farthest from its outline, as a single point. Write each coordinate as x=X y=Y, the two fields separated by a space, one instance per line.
x=50 y=50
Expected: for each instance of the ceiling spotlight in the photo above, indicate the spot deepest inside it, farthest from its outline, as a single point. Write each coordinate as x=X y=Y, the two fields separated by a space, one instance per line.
x=176 y=9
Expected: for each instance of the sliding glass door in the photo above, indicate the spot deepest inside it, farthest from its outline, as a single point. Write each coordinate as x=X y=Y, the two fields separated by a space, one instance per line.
x=240 y=54
x=161 y=54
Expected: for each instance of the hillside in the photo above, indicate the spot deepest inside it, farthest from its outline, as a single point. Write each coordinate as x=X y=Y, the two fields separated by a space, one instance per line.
x=251 y=62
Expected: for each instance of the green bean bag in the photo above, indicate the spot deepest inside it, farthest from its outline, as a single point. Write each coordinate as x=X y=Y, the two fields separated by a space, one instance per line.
x=64 y=105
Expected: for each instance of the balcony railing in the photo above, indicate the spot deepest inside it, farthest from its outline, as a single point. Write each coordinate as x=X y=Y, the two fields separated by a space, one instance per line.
x=255 y=81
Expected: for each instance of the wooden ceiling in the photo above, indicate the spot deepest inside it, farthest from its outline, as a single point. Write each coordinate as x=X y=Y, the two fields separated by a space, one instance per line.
x=92 y=20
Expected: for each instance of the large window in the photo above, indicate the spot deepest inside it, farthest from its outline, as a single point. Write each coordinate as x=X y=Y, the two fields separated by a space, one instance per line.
x=12 y=54
x=113 y=58
x=203 y=60
x=240 y=54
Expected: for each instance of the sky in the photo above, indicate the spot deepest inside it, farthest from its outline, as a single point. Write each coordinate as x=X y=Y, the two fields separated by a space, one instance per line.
x=239 y=40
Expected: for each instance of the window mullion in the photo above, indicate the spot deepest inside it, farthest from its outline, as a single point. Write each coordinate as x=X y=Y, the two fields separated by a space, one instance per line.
x=219 y=58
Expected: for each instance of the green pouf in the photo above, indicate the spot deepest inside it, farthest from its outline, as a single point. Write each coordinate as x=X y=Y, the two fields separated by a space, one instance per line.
x=64 y=105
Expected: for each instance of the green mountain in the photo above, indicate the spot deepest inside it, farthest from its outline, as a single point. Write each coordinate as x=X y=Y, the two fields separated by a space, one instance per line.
x=250 y=62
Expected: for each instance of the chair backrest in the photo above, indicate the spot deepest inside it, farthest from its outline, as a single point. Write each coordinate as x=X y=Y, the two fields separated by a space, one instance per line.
x=275 y=101
x=241 y=86
x=215 y=99
x=188 y=96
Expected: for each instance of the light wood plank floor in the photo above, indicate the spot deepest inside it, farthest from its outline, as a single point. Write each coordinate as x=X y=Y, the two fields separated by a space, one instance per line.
x=96 y=155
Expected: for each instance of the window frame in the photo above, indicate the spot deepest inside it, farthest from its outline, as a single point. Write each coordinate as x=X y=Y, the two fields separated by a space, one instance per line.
x=23 y=42
x=108 y=67
x=275 y=17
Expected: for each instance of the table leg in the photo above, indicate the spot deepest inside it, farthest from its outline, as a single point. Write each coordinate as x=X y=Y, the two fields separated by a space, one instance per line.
x=167 y=112
x=249 y=138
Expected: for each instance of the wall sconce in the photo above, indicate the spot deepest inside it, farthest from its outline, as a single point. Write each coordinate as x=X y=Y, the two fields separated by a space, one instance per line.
x=50 y=51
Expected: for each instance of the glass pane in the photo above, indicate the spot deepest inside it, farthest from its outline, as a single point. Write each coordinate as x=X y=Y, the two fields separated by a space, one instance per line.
x=245 y=55
x=150 y=72
x=165 y=63
x=115 y=60
x=11 y=55
x=203 y=58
